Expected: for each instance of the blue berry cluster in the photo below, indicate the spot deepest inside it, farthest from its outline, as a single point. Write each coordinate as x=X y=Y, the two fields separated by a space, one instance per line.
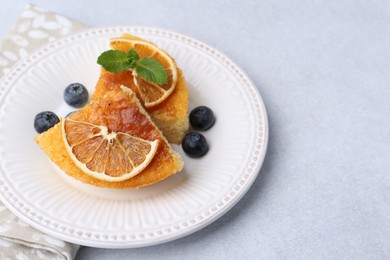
x=194 y=143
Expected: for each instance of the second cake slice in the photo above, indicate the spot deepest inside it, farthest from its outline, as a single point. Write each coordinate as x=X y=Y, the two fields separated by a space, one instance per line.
x=171 y=114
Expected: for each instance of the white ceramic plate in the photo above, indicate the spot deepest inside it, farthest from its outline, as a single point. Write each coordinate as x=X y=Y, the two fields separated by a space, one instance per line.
x=42 y=195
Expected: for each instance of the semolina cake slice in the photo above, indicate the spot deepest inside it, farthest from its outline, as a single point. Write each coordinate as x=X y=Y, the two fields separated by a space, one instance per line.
x=171 y=115
x=120 y=112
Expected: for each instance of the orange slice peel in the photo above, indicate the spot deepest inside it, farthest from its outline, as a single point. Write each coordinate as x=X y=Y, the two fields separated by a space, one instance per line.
x=104 y=155
x=152 y=94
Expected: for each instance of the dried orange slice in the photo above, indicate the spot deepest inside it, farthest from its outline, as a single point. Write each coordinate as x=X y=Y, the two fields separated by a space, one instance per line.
x=106 y=156
x=152 y=94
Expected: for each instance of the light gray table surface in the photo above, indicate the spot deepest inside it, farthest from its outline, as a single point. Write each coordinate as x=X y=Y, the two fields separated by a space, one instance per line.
x=323 y=70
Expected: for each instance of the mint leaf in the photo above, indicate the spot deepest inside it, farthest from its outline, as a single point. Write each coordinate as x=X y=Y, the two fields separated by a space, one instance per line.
x=132 y=54
x=114 y=61
x=152 y=71
x=147 y=68
x=133 y=57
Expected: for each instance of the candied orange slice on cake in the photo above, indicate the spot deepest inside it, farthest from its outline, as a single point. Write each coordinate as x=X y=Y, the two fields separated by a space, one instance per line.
x=106 y=156
x=152 y=94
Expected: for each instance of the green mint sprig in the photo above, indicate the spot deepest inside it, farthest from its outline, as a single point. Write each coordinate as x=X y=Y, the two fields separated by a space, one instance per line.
x=147 y=68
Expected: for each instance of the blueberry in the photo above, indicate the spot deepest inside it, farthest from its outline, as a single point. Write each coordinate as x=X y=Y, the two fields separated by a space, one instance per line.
x=195 y=145
x=202 y=118
x=76 y=95
x=45 y=120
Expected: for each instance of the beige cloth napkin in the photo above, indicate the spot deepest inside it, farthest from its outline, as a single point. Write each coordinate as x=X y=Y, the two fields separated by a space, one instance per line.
x=34 y=28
